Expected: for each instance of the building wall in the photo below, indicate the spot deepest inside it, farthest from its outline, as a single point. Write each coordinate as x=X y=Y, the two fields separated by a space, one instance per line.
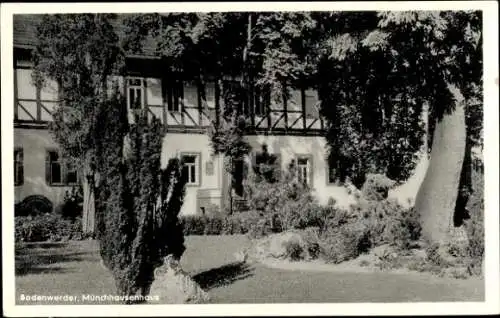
x=210 y=169
x=291 y=146
x=34 y=143
x=301 y=113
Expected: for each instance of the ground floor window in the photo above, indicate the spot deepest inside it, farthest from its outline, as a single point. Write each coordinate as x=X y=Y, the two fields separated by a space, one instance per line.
x=18 y=167
x=331 y=174
x=57 y=172
x=304 y=170
x=266 y=165
x=191 y=164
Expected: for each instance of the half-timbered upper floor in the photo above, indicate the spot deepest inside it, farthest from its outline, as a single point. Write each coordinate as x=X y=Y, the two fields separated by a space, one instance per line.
x=183 y=104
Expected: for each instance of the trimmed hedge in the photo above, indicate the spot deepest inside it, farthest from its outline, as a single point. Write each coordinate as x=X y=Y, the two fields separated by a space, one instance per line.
x=218 y=225
x=47 y=227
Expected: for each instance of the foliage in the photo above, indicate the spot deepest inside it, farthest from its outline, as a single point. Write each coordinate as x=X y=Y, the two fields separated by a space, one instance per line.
x=138 y=202
x=387 y=221
x=284 y=201
x=344 y=243
x=33 y=205
x=475 y=226
x=294 y=251
x=238 y=223
x=403 y=229
x=72 y=203
x=292 y=245
x=388 y=260
x=421 y=56
x=376 y=187
x=329 y=216
x=311 y=237
x=205 y=225
x=79 y=52
x=47 y=227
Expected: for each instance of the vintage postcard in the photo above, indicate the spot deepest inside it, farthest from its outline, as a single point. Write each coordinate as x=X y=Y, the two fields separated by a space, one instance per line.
x=237 y=158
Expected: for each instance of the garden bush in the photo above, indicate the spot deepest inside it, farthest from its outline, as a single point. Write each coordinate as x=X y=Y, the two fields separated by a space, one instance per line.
x=235 y=224
x=294 y=251
x=47 y=227
x=376 y=187
x=293 y=245
x=311 y=237
x=403 y=228
x=282 y=200
x=475 y=225
x=455 y=258
x=33 y=205
x=388 y=222
x=344 y=242
x=194 y=225
x=239 y=223
x=72 y=205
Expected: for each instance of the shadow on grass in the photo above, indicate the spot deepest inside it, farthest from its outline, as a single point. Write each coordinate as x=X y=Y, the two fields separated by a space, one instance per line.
x=45 y=245
x=35 y=261
x=224 y=275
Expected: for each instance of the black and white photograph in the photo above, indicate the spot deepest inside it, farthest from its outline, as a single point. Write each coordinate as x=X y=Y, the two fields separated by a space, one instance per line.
x=288 y=158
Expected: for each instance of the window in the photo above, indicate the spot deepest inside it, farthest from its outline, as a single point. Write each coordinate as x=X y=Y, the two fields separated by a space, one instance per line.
x=58 y=173
x=262 y=99
x=311 y=101
x=175 y=97
x=135 y=93
x=266 y=165
x=304 y=170
x=332 y=178
x=190 y=168
x=18 y=167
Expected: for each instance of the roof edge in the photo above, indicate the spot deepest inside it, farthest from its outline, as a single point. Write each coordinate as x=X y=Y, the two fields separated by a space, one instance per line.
x=133 y=56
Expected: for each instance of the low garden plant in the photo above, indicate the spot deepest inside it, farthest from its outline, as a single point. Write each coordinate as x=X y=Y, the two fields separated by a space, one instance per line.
x=47 y=227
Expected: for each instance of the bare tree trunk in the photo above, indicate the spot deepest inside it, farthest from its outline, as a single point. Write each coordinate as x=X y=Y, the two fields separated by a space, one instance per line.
x=437 y=196
x=88 y=217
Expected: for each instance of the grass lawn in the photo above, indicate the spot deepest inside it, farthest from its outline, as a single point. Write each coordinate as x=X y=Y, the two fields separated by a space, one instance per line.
x=74 y=269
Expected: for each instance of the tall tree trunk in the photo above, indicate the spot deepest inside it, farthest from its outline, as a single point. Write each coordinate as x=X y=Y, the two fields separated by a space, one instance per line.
x=437 y=196
x=465 y=187
x=88 y=213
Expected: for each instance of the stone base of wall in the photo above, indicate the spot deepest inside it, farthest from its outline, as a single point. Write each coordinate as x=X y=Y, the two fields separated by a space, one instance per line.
x=209 y=202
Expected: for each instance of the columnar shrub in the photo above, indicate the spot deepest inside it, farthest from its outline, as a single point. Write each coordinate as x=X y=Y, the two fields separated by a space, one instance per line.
x=137 y=203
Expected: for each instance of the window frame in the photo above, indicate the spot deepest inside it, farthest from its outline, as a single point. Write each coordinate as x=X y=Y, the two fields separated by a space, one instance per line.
x=329 y=169
x=141 y=88
x=64 y=170
x=256 y=157
x=309 y=168
x=175 y=97
x=197 y=166
x=261 y=101
x=18 y=165
x=40 y=103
